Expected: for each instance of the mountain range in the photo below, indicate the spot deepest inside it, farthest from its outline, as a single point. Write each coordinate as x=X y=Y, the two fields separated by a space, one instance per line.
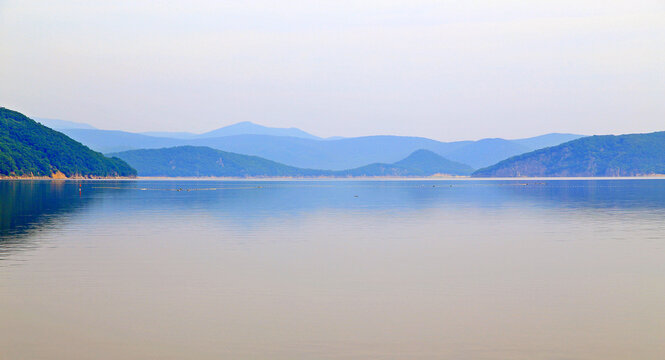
x=606 y=155
x=310 y=152
x=241 y=128
x=28 y=148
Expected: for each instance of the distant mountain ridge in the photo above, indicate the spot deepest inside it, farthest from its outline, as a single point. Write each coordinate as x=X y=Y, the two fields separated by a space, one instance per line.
x=294 y=147
x=546 y=140
x=28 y=148
x=241 y=128
x=605 y=155
x=57 y=124
x=199 y=161
x=338 y=154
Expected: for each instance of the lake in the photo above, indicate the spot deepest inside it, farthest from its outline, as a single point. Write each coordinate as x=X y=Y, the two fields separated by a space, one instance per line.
x=465 y=269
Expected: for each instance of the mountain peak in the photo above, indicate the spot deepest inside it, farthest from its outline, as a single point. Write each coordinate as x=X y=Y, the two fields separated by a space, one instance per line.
x=429 y=163
x=423 y=154
x=250 y=128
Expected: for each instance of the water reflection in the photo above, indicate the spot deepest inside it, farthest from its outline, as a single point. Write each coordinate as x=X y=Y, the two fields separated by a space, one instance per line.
x=28 y=207
x=249 y=202
x=333 y=269
x=593 y=194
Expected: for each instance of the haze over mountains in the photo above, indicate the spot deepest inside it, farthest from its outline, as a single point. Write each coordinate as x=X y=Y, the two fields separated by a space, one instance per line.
x=297 y=148
x=29 y=149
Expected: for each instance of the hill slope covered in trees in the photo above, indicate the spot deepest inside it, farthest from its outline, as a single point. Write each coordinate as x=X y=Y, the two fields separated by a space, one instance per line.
x=201 y=161
x=607 y=155
x=28 y=148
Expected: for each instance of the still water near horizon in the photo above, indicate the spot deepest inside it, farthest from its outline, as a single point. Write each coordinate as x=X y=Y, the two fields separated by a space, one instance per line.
x=569 y=269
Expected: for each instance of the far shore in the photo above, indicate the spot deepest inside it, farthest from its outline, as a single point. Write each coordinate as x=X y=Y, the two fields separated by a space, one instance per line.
x=397 y=178
x=360 y=178
x=63 y=178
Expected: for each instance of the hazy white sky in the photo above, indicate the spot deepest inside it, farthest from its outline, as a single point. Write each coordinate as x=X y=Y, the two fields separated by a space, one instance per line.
x=448 y=70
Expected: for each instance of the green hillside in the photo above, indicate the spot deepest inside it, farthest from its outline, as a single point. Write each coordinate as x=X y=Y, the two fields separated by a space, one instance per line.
x=28 y=148
x=608 y=155
x=199 y=161
x=204 y=161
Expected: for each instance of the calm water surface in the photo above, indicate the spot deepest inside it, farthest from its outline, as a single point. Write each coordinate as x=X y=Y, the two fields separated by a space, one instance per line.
x=332 y=270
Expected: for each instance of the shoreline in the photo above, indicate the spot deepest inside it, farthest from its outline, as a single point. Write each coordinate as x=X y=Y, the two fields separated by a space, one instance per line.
x=376 y=178
x=57 y=178
x=397 y=178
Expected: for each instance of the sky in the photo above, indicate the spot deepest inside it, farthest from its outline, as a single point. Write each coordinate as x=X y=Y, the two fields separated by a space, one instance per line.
x=448 y=70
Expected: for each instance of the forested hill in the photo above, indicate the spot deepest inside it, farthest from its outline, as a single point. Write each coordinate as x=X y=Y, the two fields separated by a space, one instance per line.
x=201 y=161
x=607 y=155
x=28 y=148
x=419 y=163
